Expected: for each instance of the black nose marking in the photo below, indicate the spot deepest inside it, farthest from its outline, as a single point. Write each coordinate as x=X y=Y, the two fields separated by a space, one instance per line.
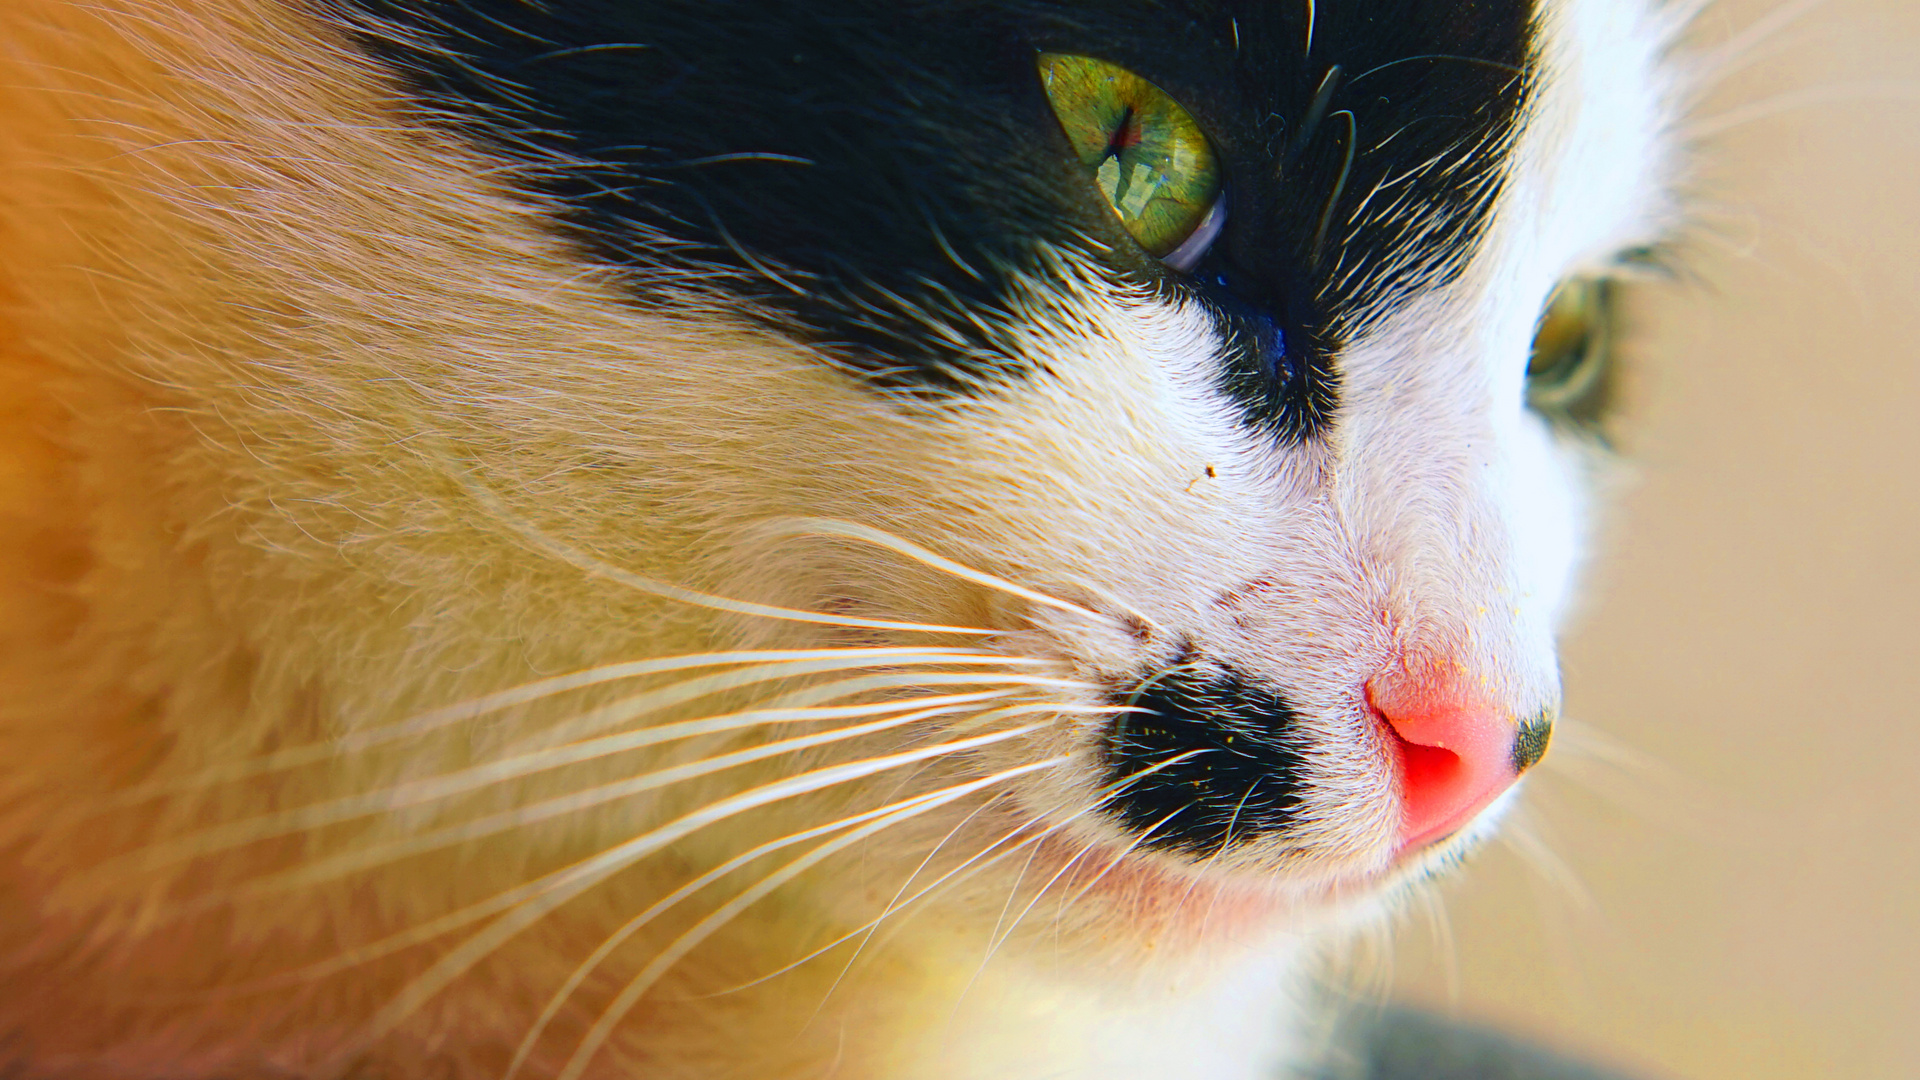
x=1530 y=745
x=1210 y=760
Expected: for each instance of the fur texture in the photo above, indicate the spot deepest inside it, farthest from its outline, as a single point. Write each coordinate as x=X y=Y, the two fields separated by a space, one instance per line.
x=321 y=428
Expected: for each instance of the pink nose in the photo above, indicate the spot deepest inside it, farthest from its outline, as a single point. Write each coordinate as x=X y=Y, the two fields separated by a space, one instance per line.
x=1456 y=751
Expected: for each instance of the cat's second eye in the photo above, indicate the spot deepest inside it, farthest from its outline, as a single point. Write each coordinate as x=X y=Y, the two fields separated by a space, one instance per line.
x=1144 y=151
x=1568 y=373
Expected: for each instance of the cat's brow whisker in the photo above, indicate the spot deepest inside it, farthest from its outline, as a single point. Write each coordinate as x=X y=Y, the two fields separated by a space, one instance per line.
x=475 y=708
x=600 y=568
x=882 y=539
x=613 y=941
x=630 y=995
x=553 y=890
x=432 y=789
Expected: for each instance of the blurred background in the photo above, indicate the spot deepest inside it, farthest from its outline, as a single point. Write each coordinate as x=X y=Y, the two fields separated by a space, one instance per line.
x=1733 y=884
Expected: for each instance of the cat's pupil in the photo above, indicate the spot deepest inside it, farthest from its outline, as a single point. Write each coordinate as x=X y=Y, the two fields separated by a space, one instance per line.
x=1126 y=134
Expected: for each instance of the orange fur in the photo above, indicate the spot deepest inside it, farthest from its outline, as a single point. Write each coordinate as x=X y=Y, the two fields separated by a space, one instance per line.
x=190 y=197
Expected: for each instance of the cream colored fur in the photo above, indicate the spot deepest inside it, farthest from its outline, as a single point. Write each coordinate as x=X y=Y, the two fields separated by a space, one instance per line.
x=312 y=427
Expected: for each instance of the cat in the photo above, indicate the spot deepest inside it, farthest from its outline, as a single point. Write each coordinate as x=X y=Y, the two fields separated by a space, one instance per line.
x=885 y=539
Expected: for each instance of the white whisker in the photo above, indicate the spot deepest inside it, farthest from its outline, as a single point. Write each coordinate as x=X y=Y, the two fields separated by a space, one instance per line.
x=379 y=854
x=630 y=995
x=474 y=708
x=925 y=861
x=600 y=568
x=561 y=886
x=993 y=943
x=626 y=710
x=987 y=853
x=879 y=538
x=1521 y=833
x=435 y=788
x=607 y=947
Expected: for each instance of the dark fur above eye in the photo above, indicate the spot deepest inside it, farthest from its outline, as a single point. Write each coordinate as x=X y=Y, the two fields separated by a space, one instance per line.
x=878 y=176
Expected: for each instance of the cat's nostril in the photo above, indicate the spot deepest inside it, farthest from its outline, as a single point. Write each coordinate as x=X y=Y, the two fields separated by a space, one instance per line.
x=1455 y=752
x=1203 y=759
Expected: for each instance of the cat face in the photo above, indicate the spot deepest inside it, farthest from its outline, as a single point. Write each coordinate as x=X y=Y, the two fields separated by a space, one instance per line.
x=1255 y=481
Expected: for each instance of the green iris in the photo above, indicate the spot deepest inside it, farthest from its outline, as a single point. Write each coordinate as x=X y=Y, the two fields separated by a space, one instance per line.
x=1568 y=374
x=1146 y=153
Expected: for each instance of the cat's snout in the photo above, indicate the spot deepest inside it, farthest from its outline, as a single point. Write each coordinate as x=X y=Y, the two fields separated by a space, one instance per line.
x=1456 y=749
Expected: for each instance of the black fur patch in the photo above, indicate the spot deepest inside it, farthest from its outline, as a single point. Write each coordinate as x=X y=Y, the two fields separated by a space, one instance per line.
x=1210 y=761
x=867 y=170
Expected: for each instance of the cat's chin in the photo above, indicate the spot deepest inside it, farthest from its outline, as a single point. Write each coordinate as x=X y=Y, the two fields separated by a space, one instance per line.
x=1161 y=905
x=1167 y=906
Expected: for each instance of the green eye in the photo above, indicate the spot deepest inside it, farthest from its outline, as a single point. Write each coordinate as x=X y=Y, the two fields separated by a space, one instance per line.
x=1569 y=373
x=1145 y=152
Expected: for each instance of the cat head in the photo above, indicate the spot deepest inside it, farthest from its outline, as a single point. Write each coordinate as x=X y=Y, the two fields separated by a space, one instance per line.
x=1204 y=329
x=1172 y=414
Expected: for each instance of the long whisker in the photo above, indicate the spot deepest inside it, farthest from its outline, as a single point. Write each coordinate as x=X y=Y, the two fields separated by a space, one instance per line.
x=561 y=886
x=1106 y=795
x=474 y=708
x=613 y=942
x=894 y=901
x=878 y=538
x=607 y=947
x=617 y=1010
x=1119 y=858
x=621 y=712
x=379 y=854
x=451 y=921
x=1206 y=867
x=994 y=943
x=865 y=933
x=600 y=568
x=986 y=853
x=366 y=858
